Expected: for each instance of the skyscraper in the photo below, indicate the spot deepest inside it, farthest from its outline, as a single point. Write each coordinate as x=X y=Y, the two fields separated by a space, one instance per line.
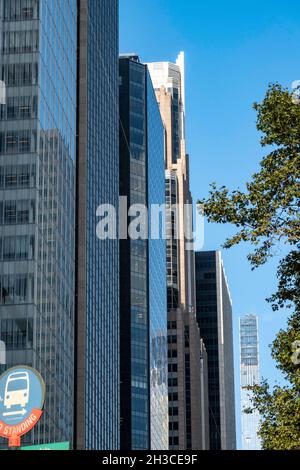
x=185 y=420
x=143 y=306
x=37 y=199
x=214 y=315
x=97 y=277
x=250 y=375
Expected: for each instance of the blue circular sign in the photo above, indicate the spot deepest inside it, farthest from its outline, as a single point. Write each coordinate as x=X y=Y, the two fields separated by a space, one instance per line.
x=22 y=391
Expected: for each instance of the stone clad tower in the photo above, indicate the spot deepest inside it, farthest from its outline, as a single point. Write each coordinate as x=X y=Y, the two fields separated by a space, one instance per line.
x=187 y=424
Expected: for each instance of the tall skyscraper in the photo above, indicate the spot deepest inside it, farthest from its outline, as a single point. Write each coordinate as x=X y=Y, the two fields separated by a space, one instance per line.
x=37 y=199
x=143 y=306
x=97 y=279
x=250 y=375
x=214 y=315
x=185 y=419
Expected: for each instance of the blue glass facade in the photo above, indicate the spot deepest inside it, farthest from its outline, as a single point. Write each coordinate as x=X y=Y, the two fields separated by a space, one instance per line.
x=97 y=415
x=159 y=426
x=144 y=408
x=249 y=376
x=135 y=394
x=38 y=41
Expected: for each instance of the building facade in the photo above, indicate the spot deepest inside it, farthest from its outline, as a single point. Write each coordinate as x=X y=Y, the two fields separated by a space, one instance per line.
x=143 y=310
x=249 y=376
x=159 y=433
x=37 y=200
x=184 y=350
x=97 y=274
x=214 y=315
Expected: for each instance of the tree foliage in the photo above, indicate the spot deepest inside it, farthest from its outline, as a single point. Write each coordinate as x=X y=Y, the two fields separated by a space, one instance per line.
x=267 y=214
x=280 y=408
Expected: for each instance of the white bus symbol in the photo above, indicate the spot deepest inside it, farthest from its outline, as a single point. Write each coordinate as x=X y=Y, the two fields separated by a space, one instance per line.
x=17 y=390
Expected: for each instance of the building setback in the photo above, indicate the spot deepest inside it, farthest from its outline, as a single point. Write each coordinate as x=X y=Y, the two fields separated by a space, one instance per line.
x=143 y=302
x=37 y=200
x=249 y=375
x=214 y=315
x=97 y=274
x=186 y=422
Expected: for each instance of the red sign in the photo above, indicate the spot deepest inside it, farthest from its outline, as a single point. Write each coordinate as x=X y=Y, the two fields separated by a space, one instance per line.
x=13 y=433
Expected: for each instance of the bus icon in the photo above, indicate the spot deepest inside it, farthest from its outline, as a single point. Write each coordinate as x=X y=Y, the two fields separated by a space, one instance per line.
x=16 y=390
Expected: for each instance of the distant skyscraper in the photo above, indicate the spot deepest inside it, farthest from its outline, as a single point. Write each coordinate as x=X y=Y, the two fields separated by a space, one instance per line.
x=143 y=289
x=185 y=419
x=250 y=375
x=37 y=199
x=97 y=283
x=214 y=314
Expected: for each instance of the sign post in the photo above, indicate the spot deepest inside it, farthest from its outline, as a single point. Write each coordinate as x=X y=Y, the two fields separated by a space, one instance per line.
x=22 y=395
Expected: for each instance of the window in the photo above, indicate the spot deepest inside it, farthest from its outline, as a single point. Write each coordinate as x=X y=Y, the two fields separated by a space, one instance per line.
x=27 y=13
x=8 y=248
x=17 y=334
x=21 y=247
x=23 y=179
x=173 y=382
x=19 y=107
x=18 y=142
x=17 y=212
x=11 y=142
x=172 y=339
x=11 y=180
x=172 y=367
x=173 y=396
x=173 y=411
x=24 y=10
x=173 y=426
x=20 y=41
x=24 y=143
x=20 y=74
x=17 y=176
x=16 y=289
x=10 y=213
x=174 y=441
x=172 y=353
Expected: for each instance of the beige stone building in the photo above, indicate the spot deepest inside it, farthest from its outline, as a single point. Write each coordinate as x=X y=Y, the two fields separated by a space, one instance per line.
x=188 y=403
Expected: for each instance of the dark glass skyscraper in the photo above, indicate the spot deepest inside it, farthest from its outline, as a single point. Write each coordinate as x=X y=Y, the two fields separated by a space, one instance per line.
x=38 y=41
x=97 y=287
x=143 y=310
x=214 y=315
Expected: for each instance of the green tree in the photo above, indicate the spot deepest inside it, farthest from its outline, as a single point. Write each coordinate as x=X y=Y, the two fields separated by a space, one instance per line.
x=280 y=407
x=267 y=215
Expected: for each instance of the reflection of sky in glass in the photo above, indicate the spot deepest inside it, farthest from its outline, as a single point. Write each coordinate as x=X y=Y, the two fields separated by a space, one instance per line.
x=157 y=282
x=38 y=168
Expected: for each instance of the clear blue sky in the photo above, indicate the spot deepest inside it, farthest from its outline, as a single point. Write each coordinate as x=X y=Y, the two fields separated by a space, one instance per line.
x=233 y=50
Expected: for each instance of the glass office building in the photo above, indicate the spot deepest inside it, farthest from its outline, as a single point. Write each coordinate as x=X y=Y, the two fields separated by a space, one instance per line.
x=214 y=315
x=157 y=279
x=250 y=375
x=97 y=285
x=143 y=310
x=38 y=41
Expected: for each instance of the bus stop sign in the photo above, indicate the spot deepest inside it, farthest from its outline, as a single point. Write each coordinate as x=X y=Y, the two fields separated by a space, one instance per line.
x=22 y=395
